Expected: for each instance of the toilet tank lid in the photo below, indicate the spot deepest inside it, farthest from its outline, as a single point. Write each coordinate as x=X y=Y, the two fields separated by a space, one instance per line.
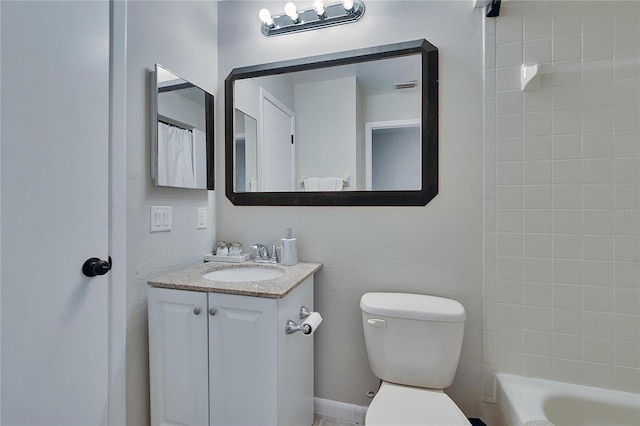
x=413 y=306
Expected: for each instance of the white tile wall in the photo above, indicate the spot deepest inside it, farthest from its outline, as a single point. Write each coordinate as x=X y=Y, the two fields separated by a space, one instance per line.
x=562 y=194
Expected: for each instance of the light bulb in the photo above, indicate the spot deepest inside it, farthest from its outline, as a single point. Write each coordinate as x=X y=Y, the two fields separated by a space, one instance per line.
x=265 y=17
x=319 y=7
x=348 y=5
x=291 y=11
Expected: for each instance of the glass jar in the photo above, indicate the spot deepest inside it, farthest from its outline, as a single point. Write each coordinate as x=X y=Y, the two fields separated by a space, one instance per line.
x=235 y=249
x=222 y=248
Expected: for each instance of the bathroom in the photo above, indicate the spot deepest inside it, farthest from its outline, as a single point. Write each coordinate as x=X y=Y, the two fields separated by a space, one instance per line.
x=485 y=240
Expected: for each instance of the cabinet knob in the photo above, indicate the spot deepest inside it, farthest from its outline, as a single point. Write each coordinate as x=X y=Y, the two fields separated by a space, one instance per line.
x=212 y=311
x=196 y=310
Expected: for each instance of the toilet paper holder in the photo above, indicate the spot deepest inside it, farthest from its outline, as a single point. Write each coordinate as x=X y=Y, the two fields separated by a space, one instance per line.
x=292 y=327
x=304 y=312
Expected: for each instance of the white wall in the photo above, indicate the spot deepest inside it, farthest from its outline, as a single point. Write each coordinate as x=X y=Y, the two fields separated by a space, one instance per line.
x=326 y=120
x=402 y=105
x=185 y=110
x=248 y=93
x=182 y=36
x=562 y=195
x=435 y=249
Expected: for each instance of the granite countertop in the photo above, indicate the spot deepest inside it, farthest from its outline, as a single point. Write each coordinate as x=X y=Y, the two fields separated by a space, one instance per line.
x=276 y=288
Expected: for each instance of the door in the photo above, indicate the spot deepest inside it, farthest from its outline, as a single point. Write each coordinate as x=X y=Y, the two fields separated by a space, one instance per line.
x=54 y=212
x=178 y=357
x=278 y=168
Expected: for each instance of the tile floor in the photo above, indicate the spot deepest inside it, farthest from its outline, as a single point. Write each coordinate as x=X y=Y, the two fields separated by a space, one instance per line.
x=324 y=421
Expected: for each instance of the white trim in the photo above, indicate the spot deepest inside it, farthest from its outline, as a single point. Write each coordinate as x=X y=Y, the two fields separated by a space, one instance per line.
x=368 y=139
x=0 y=229
x=117 y=213
x=342 y=411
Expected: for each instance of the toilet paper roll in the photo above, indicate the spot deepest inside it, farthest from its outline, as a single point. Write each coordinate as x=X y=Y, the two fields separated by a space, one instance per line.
x=311 y=323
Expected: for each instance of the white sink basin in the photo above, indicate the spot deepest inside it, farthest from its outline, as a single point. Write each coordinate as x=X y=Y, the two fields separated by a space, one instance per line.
x=248 y=274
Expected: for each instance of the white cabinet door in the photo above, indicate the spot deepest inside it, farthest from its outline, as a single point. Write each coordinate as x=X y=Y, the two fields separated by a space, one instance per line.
x=295 y=360
x=178 y=357
x=243 y=360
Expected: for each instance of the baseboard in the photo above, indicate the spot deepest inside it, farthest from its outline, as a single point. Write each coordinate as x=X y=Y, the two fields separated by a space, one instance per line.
x=342 y=411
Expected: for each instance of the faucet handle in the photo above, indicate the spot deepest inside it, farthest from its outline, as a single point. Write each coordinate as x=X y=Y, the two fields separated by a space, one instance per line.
x=262 y=251
x=274 y=254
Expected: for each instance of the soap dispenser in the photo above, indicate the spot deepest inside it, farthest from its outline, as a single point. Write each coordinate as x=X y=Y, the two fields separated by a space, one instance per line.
x=289 y=249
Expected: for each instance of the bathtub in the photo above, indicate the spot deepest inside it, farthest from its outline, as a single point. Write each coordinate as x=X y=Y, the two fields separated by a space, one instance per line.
x=523 y=401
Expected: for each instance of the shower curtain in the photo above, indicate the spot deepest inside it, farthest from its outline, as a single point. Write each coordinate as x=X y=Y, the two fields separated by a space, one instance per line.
x=175 y=157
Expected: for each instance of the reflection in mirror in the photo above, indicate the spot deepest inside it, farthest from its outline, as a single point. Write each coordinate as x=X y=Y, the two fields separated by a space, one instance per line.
x=245 y=150
x=353 y=128
x=393 y=155
x=182 y=154
x=327 y=113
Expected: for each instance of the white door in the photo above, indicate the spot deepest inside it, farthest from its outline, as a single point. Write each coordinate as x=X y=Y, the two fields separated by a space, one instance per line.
x=277 y=145
x=54 y=212
x=178 y=357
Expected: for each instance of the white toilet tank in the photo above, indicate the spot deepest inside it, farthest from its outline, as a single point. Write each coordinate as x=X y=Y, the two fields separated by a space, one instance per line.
x=413 y=339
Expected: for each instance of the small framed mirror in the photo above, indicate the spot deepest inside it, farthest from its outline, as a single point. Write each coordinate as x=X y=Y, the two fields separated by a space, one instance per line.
x=182 y=151
x=356 y=128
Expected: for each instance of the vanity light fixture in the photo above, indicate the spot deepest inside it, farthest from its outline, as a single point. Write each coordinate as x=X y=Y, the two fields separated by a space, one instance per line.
x=320 y=15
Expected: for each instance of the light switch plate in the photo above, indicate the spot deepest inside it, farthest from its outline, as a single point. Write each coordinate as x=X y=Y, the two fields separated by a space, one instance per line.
x=202 y=217
x=161 y=218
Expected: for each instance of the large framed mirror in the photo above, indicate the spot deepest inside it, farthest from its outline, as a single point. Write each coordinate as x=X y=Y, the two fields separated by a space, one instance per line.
x=356 y=128
x=182 y=151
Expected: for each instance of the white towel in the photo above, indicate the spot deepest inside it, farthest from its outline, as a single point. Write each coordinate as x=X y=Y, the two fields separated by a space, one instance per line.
x=311 y=184
x=323 y=184
x=330 y=184
x=253 y=185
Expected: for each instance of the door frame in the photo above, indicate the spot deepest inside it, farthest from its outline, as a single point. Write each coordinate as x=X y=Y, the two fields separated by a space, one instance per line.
x=369 y=127
x=117 y=214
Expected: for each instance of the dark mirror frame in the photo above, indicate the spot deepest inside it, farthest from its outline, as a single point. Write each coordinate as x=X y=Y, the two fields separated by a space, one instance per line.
x=429 y=115
x=209 y=111
x=209 y=102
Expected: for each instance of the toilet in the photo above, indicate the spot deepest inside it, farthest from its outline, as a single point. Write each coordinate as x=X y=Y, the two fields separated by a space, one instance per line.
x=413 y=343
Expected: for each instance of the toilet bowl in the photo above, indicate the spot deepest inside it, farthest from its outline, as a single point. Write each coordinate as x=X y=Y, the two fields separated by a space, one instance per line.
x=405 y=405
x=413 y=344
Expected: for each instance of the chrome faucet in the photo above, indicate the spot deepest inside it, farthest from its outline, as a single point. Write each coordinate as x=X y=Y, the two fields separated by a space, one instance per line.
x=261 y=254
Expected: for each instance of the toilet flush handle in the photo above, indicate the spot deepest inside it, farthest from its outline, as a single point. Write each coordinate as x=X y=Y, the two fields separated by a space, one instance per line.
x=377 y=322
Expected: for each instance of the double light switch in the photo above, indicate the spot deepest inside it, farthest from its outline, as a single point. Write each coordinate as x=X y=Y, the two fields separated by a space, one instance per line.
x=160 y=218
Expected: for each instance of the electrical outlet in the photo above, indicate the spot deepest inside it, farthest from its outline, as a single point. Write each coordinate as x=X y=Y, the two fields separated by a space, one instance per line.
x=202 y=217
x=161 y=219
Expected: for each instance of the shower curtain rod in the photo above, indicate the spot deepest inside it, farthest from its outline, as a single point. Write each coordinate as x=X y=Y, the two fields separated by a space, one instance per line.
x=174 y=125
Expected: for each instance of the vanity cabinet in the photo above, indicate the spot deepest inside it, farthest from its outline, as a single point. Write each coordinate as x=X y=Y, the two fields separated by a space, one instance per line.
x=225 y=359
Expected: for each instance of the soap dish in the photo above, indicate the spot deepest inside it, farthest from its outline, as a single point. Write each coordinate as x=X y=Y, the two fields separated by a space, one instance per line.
x=231 y=258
